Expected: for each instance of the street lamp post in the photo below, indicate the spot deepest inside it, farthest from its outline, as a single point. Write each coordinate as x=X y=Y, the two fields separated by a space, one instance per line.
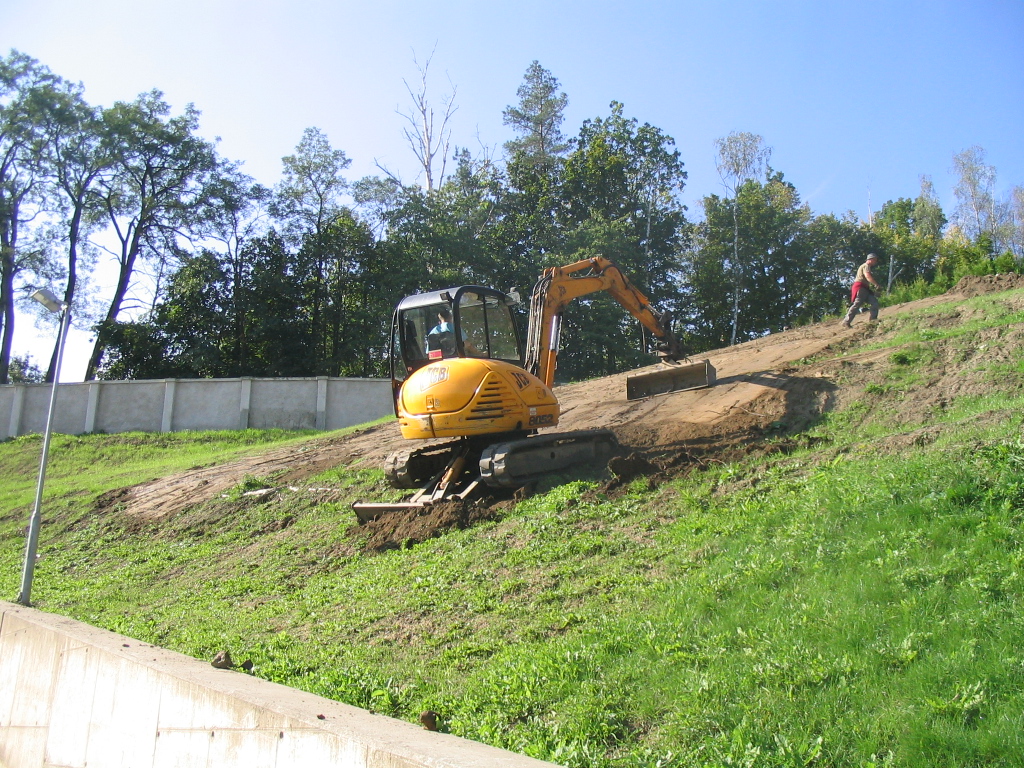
x=52 y=303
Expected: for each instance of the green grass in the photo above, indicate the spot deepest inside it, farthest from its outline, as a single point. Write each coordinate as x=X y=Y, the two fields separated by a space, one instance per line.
x=855 y=602
x=964 y=318
x=88 y=464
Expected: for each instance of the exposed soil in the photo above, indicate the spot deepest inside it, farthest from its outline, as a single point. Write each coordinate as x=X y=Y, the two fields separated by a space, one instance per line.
x=760 y=392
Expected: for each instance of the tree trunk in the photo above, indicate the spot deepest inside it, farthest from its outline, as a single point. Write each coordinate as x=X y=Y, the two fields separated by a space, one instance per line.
x=69 y=291
x=123 y=279
x=7 y=291
x=735 y=268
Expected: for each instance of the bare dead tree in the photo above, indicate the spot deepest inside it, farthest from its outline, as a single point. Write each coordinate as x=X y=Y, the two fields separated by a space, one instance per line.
x=428 y=135
x=741 y=156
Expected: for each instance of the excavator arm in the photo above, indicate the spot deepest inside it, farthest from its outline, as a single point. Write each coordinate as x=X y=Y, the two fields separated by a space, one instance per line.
x=559 y=286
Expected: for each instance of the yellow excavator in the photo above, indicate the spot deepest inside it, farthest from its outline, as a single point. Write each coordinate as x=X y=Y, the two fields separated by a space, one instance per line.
x=459 y=371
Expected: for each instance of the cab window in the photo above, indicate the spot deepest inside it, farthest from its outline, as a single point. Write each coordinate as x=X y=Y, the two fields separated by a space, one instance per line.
x=487 y=328
x=423 y=334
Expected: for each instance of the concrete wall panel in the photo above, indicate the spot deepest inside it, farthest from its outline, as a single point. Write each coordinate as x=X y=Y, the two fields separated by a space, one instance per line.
x=299 y=744
x=24 y=693
x=79 y=673
x=26 y=707
x=26 y=745
x=283 y=403
x=349 y=399
x=7 y=411
x=130 y=406
x=257 y=748
x=206 y=404
x=68 y=413
x=125 y=702
x=181 y=749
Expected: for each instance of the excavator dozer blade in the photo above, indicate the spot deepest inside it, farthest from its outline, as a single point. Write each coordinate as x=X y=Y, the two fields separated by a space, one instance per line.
x=365 y=512
x=672 y=378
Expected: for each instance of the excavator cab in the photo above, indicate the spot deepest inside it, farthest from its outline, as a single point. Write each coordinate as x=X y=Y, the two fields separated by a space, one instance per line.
x=469 y=321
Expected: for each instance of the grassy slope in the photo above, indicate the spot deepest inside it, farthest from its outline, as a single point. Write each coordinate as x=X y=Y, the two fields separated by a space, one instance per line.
x=856 y=601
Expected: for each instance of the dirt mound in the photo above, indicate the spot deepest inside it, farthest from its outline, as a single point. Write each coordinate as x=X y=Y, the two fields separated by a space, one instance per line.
x=761 y=391
x=976 y=286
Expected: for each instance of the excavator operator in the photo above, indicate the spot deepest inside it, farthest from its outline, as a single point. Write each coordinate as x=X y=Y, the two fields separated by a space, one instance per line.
x=442 y=337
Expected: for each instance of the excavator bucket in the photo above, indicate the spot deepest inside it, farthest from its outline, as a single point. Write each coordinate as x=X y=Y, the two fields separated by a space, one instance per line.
x=671 y=378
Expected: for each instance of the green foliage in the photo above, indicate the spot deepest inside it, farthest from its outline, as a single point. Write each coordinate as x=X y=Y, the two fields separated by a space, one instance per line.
x=275 y=312
x=537 y=119
x=23 y=371
x=787 y=267
x=919 y=289
x=912 y=356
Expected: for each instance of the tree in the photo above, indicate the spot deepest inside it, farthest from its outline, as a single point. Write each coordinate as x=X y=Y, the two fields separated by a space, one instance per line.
x=975 y=213
x=741 y=157
x=1016 y=219
x=622 y=170
x=429 y=140
x=137 y=350
x=619 y=198
x=77 y=159
x=377 y=199
x=185 y=335
x=160 y=166
x=445 y=237
x=832 y=246
x=276 y=319
x=24 y=371
x=526 y=227
x=192 y=332
x=308 y=198
x=906 y=241
x=537 y=119
x=232 y=214
x=927 y=218
x=783 y=276
x=308 y=204
x=794 y=268
x=21 y=170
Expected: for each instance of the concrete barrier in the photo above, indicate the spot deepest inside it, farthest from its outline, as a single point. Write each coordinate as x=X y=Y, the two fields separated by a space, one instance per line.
x=72 y=695
x=174 y=405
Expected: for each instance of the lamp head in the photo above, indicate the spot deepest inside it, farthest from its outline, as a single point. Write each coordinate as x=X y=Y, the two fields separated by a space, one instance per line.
x=45 y=297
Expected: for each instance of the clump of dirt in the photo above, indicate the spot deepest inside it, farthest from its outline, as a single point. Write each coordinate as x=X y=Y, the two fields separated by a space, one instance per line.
x=412 y=526
x=626 y=468
x=772 y=387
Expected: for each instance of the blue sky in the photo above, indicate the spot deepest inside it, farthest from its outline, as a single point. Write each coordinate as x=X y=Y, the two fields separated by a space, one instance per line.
x=856 y=99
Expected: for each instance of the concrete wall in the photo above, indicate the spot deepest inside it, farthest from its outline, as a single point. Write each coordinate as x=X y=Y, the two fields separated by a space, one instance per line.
x=73 y=696
x=173 y=405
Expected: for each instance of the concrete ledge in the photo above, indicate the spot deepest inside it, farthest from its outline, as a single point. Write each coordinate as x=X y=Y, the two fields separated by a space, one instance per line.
x=72 y=695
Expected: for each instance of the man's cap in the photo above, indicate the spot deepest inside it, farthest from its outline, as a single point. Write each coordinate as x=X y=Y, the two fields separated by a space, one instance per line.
x=871 y=256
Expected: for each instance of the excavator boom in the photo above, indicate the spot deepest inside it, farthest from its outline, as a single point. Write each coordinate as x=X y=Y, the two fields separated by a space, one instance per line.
x=559 y=286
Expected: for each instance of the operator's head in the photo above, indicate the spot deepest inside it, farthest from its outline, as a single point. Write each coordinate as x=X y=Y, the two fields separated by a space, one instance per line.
x=444 y=313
